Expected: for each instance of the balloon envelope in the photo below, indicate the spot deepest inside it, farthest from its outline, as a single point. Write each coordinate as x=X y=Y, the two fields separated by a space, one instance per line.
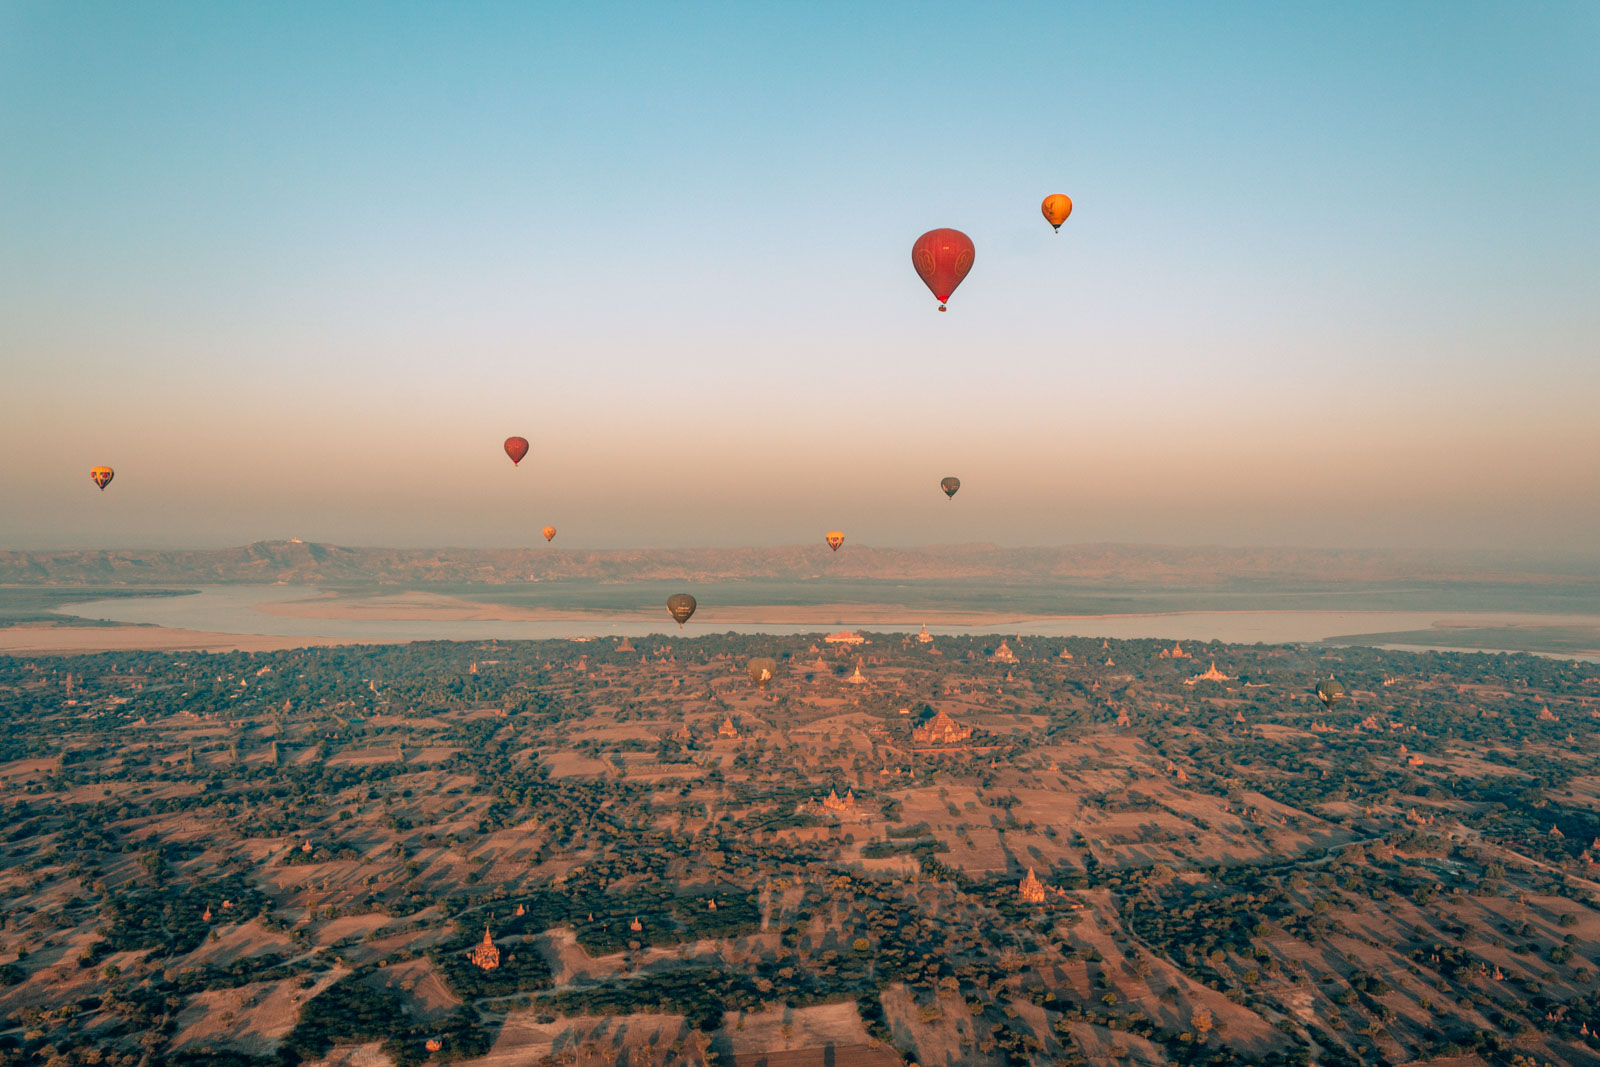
x=680 y=606
x=1329 y=691
x=762 y=670
x=950 y=485
x=549 y=533
x=102 y=476
x=834 y=539
x=516 y=448
x=942 y=258
x=1056 y=208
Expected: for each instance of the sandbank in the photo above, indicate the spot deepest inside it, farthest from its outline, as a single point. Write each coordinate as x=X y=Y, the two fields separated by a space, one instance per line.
x=42 y=639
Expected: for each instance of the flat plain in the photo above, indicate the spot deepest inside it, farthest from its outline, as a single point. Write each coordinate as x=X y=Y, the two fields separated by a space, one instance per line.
x=284 y=856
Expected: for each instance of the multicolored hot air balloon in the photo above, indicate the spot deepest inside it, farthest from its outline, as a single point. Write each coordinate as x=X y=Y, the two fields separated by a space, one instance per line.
x=1329 y=692
x=680 y=606
x=834 y=539
x=102 y=476
x=1056 y=208
x=549 y=533
x=949 y=485
x=762 y=670
x=516 y=448
x=942 y=258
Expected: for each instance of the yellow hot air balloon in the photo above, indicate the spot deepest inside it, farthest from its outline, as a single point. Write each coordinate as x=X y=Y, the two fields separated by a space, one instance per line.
x=102 y=476
x=1056 y=208
x=549 y=533
x=834 y=539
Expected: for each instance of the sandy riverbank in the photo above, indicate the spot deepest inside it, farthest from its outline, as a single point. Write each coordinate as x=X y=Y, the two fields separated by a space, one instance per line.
x=42 y=639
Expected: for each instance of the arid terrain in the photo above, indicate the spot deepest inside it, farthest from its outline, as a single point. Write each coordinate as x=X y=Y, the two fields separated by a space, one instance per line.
x=296 y=856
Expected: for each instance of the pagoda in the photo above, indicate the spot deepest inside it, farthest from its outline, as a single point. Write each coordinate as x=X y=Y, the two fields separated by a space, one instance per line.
x=1031 y=890
x=1210 y=675
x=844 y=637
x=857 y=678
x=924 y=637
x=1003 y=654
x=727 y=729
x=485 y=957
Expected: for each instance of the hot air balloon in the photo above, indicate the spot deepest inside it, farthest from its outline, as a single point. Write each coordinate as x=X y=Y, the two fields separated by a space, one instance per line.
x=1329 y=691
x=762 y=670
x=942 y=259
x=102 y=476
x=549 y=533
x=949 y=485
x=1056 y=208
x=680 y=606
x=516 y=448
x=834 y=539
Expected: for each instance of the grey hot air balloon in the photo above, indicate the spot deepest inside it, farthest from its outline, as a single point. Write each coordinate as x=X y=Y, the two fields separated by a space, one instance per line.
x=680 y=606
x=1329 y=691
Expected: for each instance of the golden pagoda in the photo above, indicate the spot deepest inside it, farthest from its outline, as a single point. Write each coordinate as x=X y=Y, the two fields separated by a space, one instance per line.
x=924 y=638
x=857 y=678
x=636 y=926
x=727 y=729
x=485 y=956
x=1031 y=890
x=1210 y=675
x=1003 y=654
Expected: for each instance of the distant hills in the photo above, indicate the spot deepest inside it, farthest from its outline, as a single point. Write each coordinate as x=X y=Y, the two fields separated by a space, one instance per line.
x=1109 y=564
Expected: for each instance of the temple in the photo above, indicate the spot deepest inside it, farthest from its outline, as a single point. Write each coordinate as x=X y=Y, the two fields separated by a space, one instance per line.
x=845 y=637
x=924 y=638
x=485 y=956
x=1210 y=675
x=941 y=730
x=1003 y=654
x=857 y=678
x=1031 y=890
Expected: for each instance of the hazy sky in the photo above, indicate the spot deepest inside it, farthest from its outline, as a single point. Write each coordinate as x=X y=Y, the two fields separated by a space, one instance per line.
x=298 y=269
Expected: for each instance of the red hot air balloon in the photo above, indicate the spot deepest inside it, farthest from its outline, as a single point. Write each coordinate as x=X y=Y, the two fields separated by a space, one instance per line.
x=942 y=259
x=516 y=448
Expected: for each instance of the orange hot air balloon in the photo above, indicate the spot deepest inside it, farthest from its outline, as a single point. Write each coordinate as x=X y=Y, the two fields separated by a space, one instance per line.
x=549 y=533
x=102 y=476
x=1056 y=208
x=942 y=259
x=834 y=539
x=516 y=448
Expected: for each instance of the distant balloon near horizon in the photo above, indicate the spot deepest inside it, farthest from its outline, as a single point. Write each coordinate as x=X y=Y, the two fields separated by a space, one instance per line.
x=681 y=607
x=950 y=485
x=102 y=476
x=516 y=448
x=942 y=259
x=1056 y=208
x=834 y=538
x=549 y=533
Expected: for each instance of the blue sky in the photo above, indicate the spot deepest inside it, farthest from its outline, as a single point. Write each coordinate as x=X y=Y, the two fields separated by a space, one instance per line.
x=296 y=269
